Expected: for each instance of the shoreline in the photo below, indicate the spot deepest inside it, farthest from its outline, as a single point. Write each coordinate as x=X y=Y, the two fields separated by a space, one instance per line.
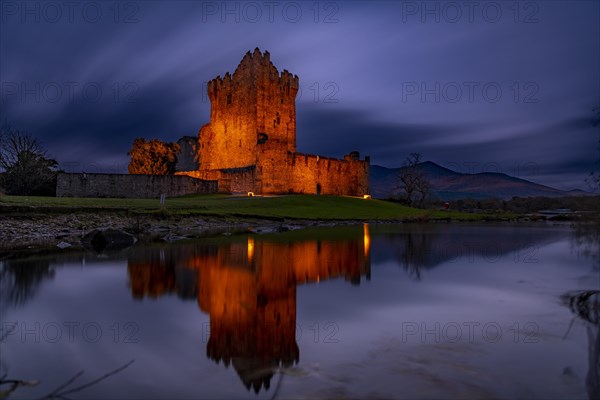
x=30 y=232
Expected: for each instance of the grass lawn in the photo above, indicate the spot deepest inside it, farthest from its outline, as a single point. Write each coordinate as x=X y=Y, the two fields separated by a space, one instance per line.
x=290 y=206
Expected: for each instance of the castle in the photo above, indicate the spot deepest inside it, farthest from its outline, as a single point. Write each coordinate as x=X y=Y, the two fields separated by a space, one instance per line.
x=249 y=145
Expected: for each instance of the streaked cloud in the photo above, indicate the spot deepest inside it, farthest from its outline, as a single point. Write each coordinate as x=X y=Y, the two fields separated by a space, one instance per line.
x=358 y=74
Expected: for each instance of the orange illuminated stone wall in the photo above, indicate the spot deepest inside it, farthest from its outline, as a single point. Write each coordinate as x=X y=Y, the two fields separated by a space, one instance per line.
x=255 y=103
x=311 y=174
x=249 y=145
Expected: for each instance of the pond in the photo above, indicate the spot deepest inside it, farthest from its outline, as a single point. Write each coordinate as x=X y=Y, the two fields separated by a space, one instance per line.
x=364 y=311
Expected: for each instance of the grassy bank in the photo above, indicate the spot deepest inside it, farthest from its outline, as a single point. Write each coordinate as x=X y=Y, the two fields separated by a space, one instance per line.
x=292 y=206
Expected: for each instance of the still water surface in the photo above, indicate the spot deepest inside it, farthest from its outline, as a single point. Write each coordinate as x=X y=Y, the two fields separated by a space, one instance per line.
x=384 y=311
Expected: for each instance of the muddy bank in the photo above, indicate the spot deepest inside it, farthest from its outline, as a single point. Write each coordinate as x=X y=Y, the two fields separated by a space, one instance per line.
x=23 y=233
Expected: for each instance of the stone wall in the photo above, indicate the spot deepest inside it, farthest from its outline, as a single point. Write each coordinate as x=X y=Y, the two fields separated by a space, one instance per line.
x=130 y=185
x=273 y=168
x=283 y=173
x=239 y=180
x=311 y=174
x=254 y=103
x=230 y=180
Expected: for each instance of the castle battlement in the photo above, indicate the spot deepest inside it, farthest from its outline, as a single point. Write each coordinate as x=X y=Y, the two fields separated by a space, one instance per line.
x=351 y=157
x=256 y=66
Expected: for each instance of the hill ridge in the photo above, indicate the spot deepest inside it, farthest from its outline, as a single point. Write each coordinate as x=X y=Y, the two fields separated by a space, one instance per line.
x=448 y=184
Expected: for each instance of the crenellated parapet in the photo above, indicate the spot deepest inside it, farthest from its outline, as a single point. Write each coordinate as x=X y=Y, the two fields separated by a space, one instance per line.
x=255 y=66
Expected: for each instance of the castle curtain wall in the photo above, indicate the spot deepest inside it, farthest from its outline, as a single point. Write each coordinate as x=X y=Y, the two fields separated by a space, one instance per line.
x=295 y=173
x=130 y=185
x=312 y=174
x=230 y=180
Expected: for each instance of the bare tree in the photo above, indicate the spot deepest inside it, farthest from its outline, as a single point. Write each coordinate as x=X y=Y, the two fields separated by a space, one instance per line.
x=423 y=188
x=13 y=143
x=413 y=181
x=26 y=168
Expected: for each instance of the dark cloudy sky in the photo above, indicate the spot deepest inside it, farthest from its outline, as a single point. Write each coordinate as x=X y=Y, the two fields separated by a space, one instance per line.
x=485 y=86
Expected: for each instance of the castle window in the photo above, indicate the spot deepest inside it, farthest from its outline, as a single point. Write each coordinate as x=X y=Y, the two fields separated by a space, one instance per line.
x=229 y=99
x=277 y=120
x=262 y=138
x=281 y=101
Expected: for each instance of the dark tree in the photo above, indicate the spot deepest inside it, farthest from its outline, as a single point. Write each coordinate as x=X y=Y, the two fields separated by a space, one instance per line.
x=413 y=181
x=26 y=168
x=154 y=157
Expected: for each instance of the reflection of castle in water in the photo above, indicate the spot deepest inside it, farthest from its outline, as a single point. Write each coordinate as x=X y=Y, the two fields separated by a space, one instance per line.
x=249 y=290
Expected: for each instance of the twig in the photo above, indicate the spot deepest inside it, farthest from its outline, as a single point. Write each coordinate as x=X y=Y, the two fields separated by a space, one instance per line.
x=64 y=385
x=15 y=383
x=569 y=328
x=57 y=395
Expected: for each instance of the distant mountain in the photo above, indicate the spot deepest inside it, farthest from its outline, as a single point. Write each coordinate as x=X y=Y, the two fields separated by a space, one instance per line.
x=451 y=185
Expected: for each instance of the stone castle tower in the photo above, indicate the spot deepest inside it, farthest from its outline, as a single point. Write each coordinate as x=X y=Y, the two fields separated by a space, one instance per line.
x=253 y=105
x=249 y=145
